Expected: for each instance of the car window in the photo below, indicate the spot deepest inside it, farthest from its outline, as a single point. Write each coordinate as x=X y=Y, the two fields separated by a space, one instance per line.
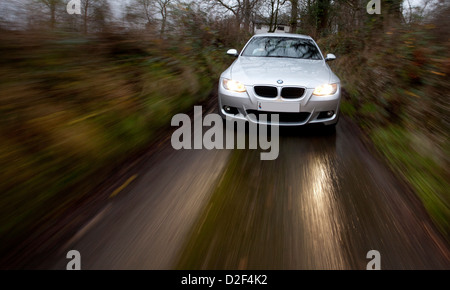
x=282 y=47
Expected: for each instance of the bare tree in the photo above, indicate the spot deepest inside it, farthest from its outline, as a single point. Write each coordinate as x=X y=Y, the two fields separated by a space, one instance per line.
x=275 y=6
x=416 y=13
x=146 y=7
x=241 y=9
x=94 y=13
x=52 y=6
x=85 y=5
x=163 y=11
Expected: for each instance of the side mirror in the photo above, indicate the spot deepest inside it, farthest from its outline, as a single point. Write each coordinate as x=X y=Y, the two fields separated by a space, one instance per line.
x=330 y=56
x=232 y=52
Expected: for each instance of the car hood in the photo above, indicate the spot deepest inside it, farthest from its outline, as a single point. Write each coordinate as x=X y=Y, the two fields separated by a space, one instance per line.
x=269 y=70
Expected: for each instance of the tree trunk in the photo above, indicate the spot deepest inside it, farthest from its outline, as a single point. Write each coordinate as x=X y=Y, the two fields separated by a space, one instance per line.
x=163 y=26
x=392 y=8
x=85 y=16
x=52 y=15
x=276 y=16
x=247 y=15
x=272 y=13
x=294 y=13
x=322 y=16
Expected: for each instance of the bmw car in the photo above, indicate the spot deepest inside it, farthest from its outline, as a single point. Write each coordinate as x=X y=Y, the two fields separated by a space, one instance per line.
x=284 y=74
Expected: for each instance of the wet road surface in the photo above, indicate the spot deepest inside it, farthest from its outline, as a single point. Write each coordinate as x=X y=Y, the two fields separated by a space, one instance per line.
x=322 y=204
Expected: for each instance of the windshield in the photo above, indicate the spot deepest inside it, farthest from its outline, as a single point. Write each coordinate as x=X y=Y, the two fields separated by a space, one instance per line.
x=282 y=47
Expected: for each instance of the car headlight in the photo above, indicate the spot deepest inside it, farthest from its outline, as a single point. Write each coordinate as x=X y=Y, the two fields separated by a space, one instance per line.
x=233 y=85
x=325 y=90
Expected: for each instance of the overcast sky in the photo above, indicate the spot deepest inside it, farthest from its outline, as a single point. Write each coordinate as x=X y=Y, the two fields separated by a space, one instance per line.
x=9 y=9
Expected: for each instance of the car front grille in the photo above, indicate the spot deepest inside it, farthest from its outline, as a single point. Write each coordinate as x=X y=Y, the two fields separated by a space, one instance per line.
x=272 y=92
x=266 y=91
x=292 y=92
x=283 y=117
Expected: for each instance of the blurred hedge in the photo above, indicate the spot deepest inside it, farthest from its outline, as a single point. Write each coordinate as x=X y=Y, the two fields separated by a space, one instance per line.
x=396 y=87
x=73 y=105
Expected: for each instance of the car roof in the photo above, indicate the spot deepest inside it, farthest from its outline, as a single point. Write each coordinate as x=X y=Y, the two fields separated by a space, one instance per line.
x=282 y=35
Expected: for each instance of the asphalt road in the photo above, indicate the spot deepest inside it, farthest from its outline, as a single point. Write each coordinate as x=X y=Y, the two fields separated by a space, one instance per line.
x=322 y=204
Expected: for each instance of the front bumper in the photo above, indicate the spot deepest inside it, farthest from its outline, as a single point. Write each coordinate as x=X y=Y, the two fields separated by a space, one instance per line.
x=313 y=109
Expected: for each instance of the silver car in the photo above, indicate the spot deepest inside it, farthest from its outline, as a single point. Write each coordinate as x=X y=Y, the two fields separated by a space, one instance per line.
x=284 y=74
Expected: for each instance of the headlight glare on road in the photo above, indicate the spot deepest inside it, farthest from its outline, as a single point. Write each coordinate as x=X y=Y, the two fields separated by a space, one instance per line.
x=233 y=85
x=325 y=90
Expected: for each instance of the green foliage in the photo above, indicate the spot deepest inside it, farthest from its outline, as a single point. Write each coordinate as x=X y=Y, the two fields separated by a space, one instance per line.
x=395 y=86
x=347 y=109
x=72 y=108
x=419 y=168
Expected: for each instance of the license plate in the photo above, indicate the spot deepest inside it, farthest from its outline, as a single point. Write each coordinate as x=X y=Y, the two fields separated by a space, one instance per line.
x=287 y=107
